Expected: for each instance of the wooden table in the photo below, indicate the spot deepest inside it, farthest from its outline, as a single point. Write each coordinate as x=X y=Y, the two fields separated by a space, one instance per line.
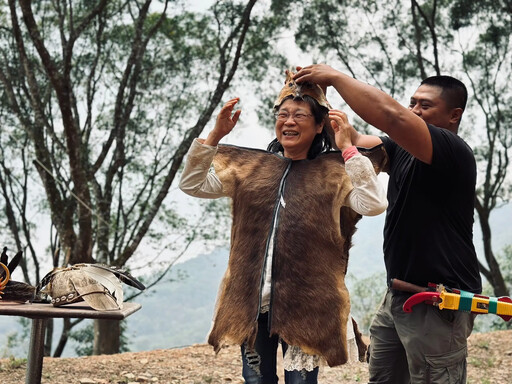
x=40 y=313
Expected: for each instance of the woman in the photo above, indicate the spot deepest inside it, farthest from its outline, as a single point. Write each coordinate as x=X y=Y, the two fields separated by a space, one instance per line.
x=294 y=212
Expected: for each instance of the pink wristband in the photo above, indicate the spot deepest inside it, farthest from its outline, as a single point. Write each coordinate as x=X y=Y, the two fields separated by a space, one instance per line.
x=349 y=152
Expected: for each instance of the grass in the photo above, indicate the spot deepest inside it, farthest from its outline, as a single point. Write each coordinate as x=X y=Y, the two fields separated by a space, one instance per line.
x=484 y=344
x=13 y=363
x=482 y=363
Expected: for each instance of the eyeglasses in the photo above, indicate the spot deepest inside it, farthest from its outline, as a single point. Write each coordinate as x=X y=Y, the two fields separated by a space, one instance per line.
x=297 y=117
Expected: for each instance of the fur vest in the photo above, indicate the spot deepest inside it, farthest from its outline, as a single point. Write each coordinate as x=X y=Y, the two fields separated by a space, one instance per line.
x=303 y=200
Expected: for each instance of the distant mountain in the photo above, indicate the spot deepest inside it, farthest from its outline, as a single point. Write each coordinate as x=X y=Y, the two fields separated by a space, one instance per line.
x=179 y=312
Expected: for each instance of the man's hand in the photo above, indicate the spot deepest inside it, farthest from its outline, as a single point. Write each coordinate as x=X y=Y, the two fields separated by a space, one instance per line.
x=321 y=74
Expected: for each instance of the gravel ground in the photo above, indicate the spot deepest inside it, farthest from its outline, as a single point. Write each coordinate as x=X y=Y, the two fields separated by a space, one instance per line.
x=489 y=362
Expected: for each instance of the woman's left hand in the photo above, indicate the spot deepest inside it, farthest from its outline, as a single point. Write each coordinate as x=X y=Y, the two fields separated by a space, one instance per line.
x=343 y=130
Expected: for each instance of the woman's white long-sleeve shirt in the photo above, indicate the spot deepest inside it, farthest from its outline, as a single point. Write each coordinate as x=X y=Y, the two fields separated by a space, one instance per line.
x=368 y=198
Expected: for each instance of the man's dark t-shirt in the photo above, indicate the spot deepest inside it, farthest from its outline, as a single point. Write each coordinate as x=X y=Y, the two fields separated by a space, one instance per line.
x=428 y=234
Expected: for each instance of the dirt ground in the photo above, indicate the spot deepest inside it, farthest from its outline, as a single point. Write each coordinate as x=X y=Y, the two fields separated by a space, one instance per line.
x=489 y=362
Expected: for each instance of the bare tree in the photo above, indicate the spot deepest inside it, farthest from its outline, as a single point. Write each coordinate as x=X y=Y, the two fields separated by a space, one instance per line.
x=488 y=66
x=398 y=43
x=106 y=97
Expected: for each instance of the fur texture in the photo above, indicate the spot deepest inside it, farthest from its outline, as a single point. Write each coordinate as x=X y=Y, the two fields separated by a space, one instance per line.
x=291 y=88
x=310 y=303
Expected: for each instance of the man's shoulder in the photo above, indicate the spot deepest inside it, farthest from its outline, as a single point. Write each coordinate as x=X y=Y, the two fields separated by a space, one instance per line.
x=447 y=135
x=452 y=155
x=448 y=141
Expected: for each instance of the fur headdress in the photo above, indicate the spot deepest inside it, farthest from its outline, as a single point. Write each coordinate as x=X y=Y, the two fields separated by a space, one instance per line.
x=299 y=90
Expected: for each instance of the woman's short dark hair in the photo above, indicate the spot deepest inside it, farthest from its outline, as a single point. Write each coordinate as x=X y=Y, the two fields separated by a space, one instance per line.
x=322 y=141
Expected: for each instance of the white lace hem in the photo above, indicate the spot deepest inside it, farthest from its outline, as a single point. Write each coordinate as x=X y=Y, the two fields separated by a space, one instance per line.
x=297 y=360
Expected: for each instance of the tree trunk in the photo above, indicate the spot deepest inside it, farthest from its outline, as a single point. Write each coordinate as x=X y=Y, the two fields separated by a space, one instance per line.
x=48 y=337
x=493 y=273
x=106 y=337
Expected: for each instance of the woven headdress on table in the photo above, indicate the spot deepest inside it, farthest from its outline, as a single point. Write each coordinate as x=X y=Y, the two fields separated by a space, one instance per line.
x=291 y=88
x=98 y=285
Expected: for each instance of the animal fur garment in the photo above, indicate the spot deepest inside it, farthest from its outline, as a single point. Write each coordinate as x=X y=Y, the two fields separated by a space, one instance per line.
x=309 y=304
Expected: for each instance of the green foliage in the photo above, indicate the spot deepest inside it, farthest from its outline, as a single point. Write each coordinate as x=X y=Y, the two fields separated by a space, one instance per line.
x=84 y=338
x=13 y=363
x=505 y=261
x=393 y=45
x=316 y=25
x=190 y=40
x=135 y=93
x=488 y=65
x=375 y=45
x=462 y=12
x=365 y=296
x=491 y=322
x=108 y=109
x=18 y=339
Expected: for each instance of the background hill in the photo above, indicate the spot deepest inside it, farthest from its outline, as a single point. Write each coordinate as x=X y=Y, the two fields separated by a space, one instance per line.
x=179 y=312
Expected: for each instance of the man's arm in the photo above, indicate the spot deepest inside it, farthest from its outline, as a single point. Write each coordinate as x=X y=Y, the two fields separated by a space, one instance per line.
x=366 y=141
x=339 y=120
x=376 y=108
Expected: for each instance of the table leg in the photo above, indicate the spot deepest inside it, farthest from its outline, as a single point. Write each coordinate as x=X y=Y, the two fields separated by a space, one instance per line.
x=36 y=352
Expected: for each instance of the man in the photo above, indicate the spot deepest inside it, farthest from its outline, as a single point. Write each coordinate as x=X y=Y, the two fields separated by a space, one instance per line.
x=428 y=231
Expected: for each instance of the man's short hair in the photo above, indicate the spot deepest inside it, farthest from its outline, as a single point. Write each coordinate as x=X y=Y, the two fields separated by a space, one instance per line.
x=454 y=92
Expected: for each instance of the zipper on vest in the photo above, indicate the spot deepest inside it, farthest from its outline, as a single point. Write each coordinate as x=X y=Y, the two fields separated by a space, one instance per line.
x=275 y=221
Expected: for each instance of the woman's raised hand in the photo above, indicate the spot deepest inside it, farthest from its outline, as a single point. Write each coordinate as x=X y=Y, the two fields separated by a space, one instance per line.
x=343 y=130
x=226 y=120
